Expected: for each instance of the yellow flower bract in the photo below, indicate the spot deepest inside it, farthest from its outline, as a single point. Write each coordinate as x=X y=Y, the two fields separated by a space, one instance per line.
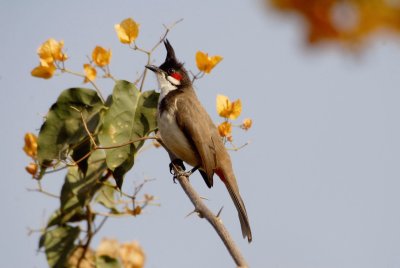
x=225 y=129
x=32 y=169
x=51 y=51
x=100 y=56
x=247 y=123
x=45 y=72
x=127 y=31
x=228 y=109
x=206 y=63
x=90 y=73
x=30 y=147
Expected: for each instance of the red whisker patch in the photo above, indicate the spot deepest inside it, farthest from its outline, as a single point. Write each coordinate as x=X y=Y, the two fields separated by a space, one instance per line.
x=177 y=76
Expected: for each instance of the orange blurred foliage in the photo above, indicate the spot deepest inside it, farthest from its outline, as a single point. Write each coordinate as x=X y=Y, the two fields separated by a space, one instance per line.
x=348 y=21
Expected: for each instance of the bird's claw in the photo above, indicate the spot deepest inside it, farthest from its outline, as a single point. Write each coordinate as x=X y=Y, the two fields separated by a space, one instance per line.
x=176 y=164
x=180 y=173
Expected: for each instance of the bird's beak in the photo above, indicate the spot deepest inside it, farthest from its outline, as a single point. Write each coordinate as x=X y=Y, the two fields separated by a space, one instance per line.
x=154 y=68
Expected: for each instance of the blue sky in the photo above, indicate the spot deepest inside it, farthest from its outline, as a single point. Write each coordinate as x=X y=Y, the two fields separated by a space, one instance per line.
x=320 y=178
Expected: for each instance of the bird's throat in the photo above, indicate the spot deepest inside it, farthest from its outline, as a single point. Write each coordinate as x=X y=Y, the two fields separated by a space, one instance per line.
x=165 y=87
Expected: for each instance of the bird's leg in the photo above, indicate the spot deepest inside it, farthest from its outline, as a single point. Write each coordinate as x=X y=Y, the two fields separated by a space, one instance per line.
x=177 y=168
x=193 y=170
x=178 y=165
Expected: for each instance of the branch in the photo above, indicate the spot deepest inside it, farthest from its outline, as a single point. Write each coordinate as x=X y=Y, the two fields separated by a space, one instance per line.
x=89 y=236
x=215 y=221
x=204 y=211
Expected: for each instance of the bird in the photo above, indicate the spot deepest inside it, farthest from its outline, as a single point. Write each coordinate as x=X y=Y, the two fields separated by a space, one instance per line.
x=188 y=132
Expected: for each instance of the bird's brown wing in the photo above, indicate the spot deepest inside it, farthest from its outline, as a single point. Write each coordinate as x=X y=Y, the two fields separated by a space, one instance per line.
x=194 y=121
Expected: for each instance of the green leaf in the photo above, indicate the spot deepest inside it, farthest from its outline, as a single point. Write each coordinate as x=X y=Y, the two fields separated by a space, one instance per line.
x=78 y=190
x=106 y=198
x=58 y=244
x=107 y=262
x=79 y=152
x=63 y=126
x=132 y=115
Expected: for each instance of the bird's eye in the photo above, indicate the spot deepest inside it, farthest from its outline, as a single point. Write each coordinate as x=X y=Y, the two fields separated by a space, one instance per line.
x=171 y=71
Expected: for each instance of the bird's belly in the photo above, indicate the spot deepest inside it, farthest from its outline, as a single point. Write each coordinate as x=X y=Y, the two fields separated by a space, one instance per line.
x=175 y=140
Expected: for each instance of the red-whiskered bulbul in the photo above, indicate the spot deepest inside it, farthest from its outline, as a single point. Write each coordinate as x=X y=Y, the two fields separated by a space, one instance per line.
x=189 y=133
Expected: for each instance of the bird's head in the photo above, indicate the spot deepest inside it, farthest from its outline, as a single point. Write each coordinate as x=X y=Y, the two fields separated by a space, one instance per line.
x=171 y=73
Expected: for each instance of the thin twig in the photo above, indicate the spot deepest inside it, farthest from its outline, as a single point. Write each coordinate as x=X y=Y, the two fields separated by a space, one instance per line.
x=234 y=148
x=103 y=221
x=55 y=170
x=126 y=143
x=40 y=190
x=64 y=70
x=43 y=192
x=96 y=147
x=199 y=75
x=86 y=127
x=149 y=52
x=111 y=215
x=167 y=30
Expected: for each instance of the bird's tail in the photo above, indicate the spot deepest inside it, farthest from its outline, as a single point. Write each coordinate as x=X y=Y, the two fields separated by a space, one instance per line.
x=231 y=185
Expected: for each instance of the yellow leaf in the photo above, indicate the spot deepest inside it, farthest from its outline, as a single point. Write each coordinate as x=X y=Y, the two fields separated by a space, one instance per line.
x=225 y=129
x=247 y=123
x=45 y=72
x=206 y=63
x=90 y=73
x=32 y=168
x=127 y=31
x=51 y=51
x=348 y=22
x=101 y=57
x=228 y=109
x=132 y=255
x=30 y=147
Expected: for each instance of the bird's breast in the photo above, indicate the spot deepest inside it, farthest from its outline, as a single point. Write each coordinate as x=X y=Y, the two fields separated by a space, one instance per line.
x=174 y=138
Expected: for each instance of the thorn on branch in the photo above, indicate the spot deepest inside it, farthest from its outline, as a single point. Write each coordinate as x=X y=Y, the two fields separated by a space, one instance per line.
x=219 y=212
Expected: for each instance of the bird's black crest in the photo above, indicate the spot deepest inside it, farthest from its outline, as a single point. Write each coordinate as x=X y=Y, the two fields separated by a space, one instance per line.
x=170 y=51
x=170 y=61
